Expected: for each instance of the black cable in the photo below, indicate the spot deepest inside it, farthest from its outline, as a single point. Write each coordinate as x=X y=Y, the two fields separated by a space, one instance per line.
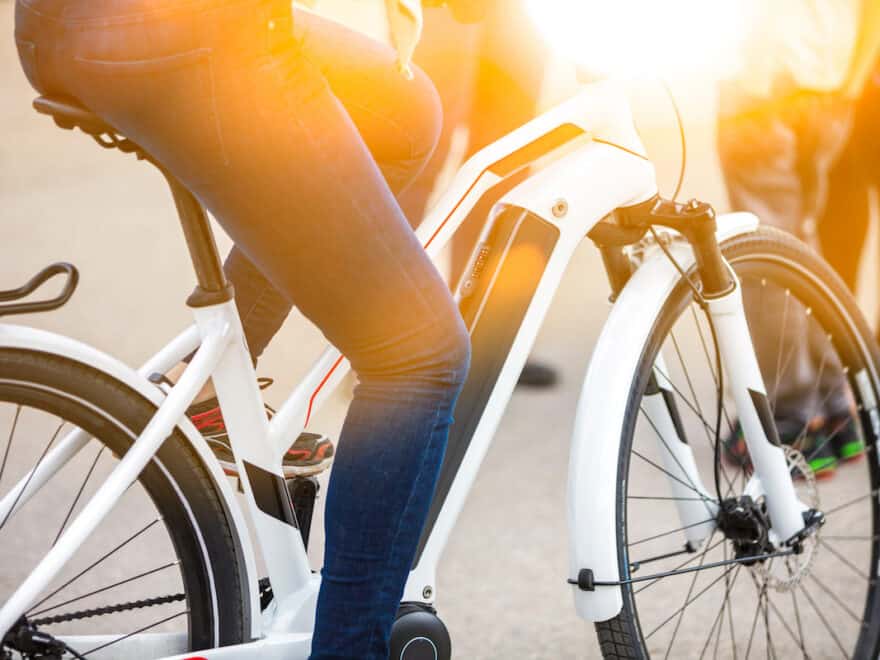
x=698 y=297
x=719 y=409
x=73 y=653
x=621 y=147
x=680 y=122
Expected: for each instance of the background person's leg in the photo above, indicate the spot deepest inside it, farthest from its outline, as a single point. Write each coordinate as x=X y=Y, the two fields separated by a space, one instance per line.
x=758 y=149
x=776 y=157
x=843 y=225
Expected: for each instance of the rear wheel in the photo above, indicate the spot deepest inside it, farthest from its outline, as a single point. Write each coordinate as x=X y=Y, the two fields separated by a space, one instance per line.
x=162 y=573
x=821 y=604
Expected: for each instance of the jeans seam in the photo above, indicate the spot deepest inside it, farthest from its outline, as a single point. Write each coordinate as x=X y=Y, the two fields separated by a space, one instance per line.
x=391 y=122
x=253 y=306
x=356 y=203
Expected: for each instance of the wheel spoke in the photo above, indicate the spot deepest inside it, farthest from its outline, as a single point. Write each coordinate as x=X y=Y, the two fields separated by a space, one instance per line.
x=670 y=475
x=855 y=569
x=703 y=591
x=708 y=427
x=674 y=457
x=136 y=632
x=683 y=564
x=817 y=408
x=840 y=427
x=684 y=607
x=833 y=596
x=776 y=611
x=755 y=619
x=856 y=500
x=823 y=619
x=673 y=531
x=797 y=615
x=730 y=623
x=687 y=377
x=31 y=475
x=9 y=440
x=719 y=618
x=79 y=493
x=99 y=561
x=779 y=348
x=710 y=362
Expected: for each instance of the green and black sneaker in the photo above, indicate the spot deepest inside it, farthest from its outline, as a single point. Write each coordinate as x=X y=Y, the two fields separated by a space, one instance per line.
x=816 y=446
x=846 y=437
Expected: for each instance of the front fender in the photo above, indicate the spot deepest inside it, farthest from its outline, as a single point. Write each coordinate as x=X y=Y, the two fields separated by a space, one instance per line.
x=593 y=465
x=31 y=339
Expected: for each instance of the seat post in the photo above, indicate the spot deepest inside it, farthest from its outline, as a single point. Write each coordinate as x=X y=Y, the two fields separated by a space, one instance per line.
x=213 y=287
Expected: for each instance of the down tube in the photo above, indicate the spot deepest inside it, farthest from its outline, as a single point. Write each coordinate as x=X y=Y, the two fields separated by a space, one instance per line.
x=505 y=274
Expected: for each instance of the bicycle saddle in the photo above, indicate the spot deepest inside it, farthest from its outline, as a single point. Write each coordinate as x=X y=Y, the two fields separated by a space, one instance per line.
x=69 y=114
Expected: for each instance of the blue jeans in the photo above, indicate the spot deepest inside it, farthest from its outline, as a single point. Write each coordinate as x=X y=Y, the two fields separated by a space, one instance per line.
x=295 y=133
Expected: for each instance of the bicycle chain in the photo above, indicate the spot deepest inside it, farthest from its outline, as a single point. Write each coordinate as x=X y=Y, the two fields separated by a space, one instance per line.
x=110 y=609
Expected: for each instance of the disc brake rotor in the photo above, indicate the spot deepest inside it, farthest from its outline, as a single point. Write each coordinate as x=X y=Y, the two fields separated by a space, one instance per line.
x=784 y=573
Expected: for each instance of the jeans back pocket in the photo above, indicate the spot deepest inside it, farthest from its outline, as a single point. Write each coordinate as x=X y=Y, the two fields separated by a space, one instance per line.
x=167 y=105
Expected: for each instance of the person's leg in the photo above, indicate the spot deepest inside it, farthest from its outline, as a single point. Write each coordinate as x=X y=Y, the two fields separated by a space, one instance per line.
x=250 y=124
x=843 y=226
x=758 y=150
x=385 y=109
x=826 y=131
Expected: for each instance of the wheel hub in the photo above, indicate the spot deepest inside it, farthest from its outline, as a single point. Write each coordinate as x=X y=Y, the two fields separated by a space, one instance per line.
x=746 y=524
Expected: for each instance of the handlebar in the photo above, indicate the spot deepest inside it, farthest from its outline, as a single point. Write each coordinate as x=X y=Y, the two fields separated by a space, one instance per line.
x=35 y=283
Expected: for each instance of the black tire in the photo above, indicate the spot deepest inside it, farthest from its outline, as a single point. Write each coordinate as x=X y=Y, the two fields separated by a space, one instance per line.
x=195 y=525
x=766 y=253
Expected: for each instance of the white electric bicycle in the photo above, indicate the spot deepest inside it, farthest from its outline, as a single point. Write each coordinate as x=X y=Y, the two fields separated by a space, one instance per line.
x=696 y=527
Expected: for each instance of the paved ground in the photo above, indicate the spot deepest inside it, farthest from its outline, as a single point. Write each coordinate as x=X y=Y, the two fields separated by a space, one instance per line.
x=501 y=586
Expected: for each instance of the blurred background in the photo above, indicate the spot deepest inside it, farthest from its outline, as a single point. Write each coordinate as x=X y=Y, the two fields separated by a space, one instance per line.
x=501 y=586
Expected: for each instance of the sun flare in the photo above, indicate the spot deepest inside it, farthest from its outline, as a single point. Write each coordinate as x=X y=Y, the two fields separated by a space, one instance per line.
x=636 y=37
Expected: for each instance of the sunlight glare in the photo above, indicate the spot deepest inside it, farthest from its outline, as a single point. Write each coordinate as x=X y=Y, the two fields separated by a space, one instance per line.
x=637 y=37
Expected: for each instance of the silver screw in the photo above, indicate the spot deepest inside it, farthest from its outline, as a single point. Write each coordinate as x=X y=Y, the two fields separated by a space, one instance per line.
x=427 y=593
x=560 y=208
x=693 y=204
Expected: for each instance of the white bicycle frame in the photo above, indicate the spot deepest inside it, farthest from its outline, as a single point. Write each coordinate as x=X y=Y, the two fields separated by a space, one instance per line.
x=587 y=156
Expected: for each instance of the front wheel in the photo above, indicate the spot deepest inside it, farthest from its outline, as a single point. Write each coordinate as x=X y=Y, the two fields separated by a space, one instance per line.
x=819 y=363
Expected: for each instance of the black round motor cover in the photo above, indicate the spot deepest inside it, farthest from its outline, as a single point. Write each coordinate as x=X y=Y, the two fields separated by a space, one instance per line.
x=420 y=635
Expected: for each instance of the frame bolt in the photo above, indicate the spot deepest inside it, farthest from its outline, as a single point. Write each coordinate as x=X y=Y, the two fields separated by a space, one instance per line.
x=560 y=208
x=427 y=593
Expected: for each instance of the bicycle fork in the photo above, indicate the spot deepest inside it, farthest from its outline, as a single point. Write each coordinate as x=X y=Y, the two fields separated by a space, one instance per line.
x=721 y=296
